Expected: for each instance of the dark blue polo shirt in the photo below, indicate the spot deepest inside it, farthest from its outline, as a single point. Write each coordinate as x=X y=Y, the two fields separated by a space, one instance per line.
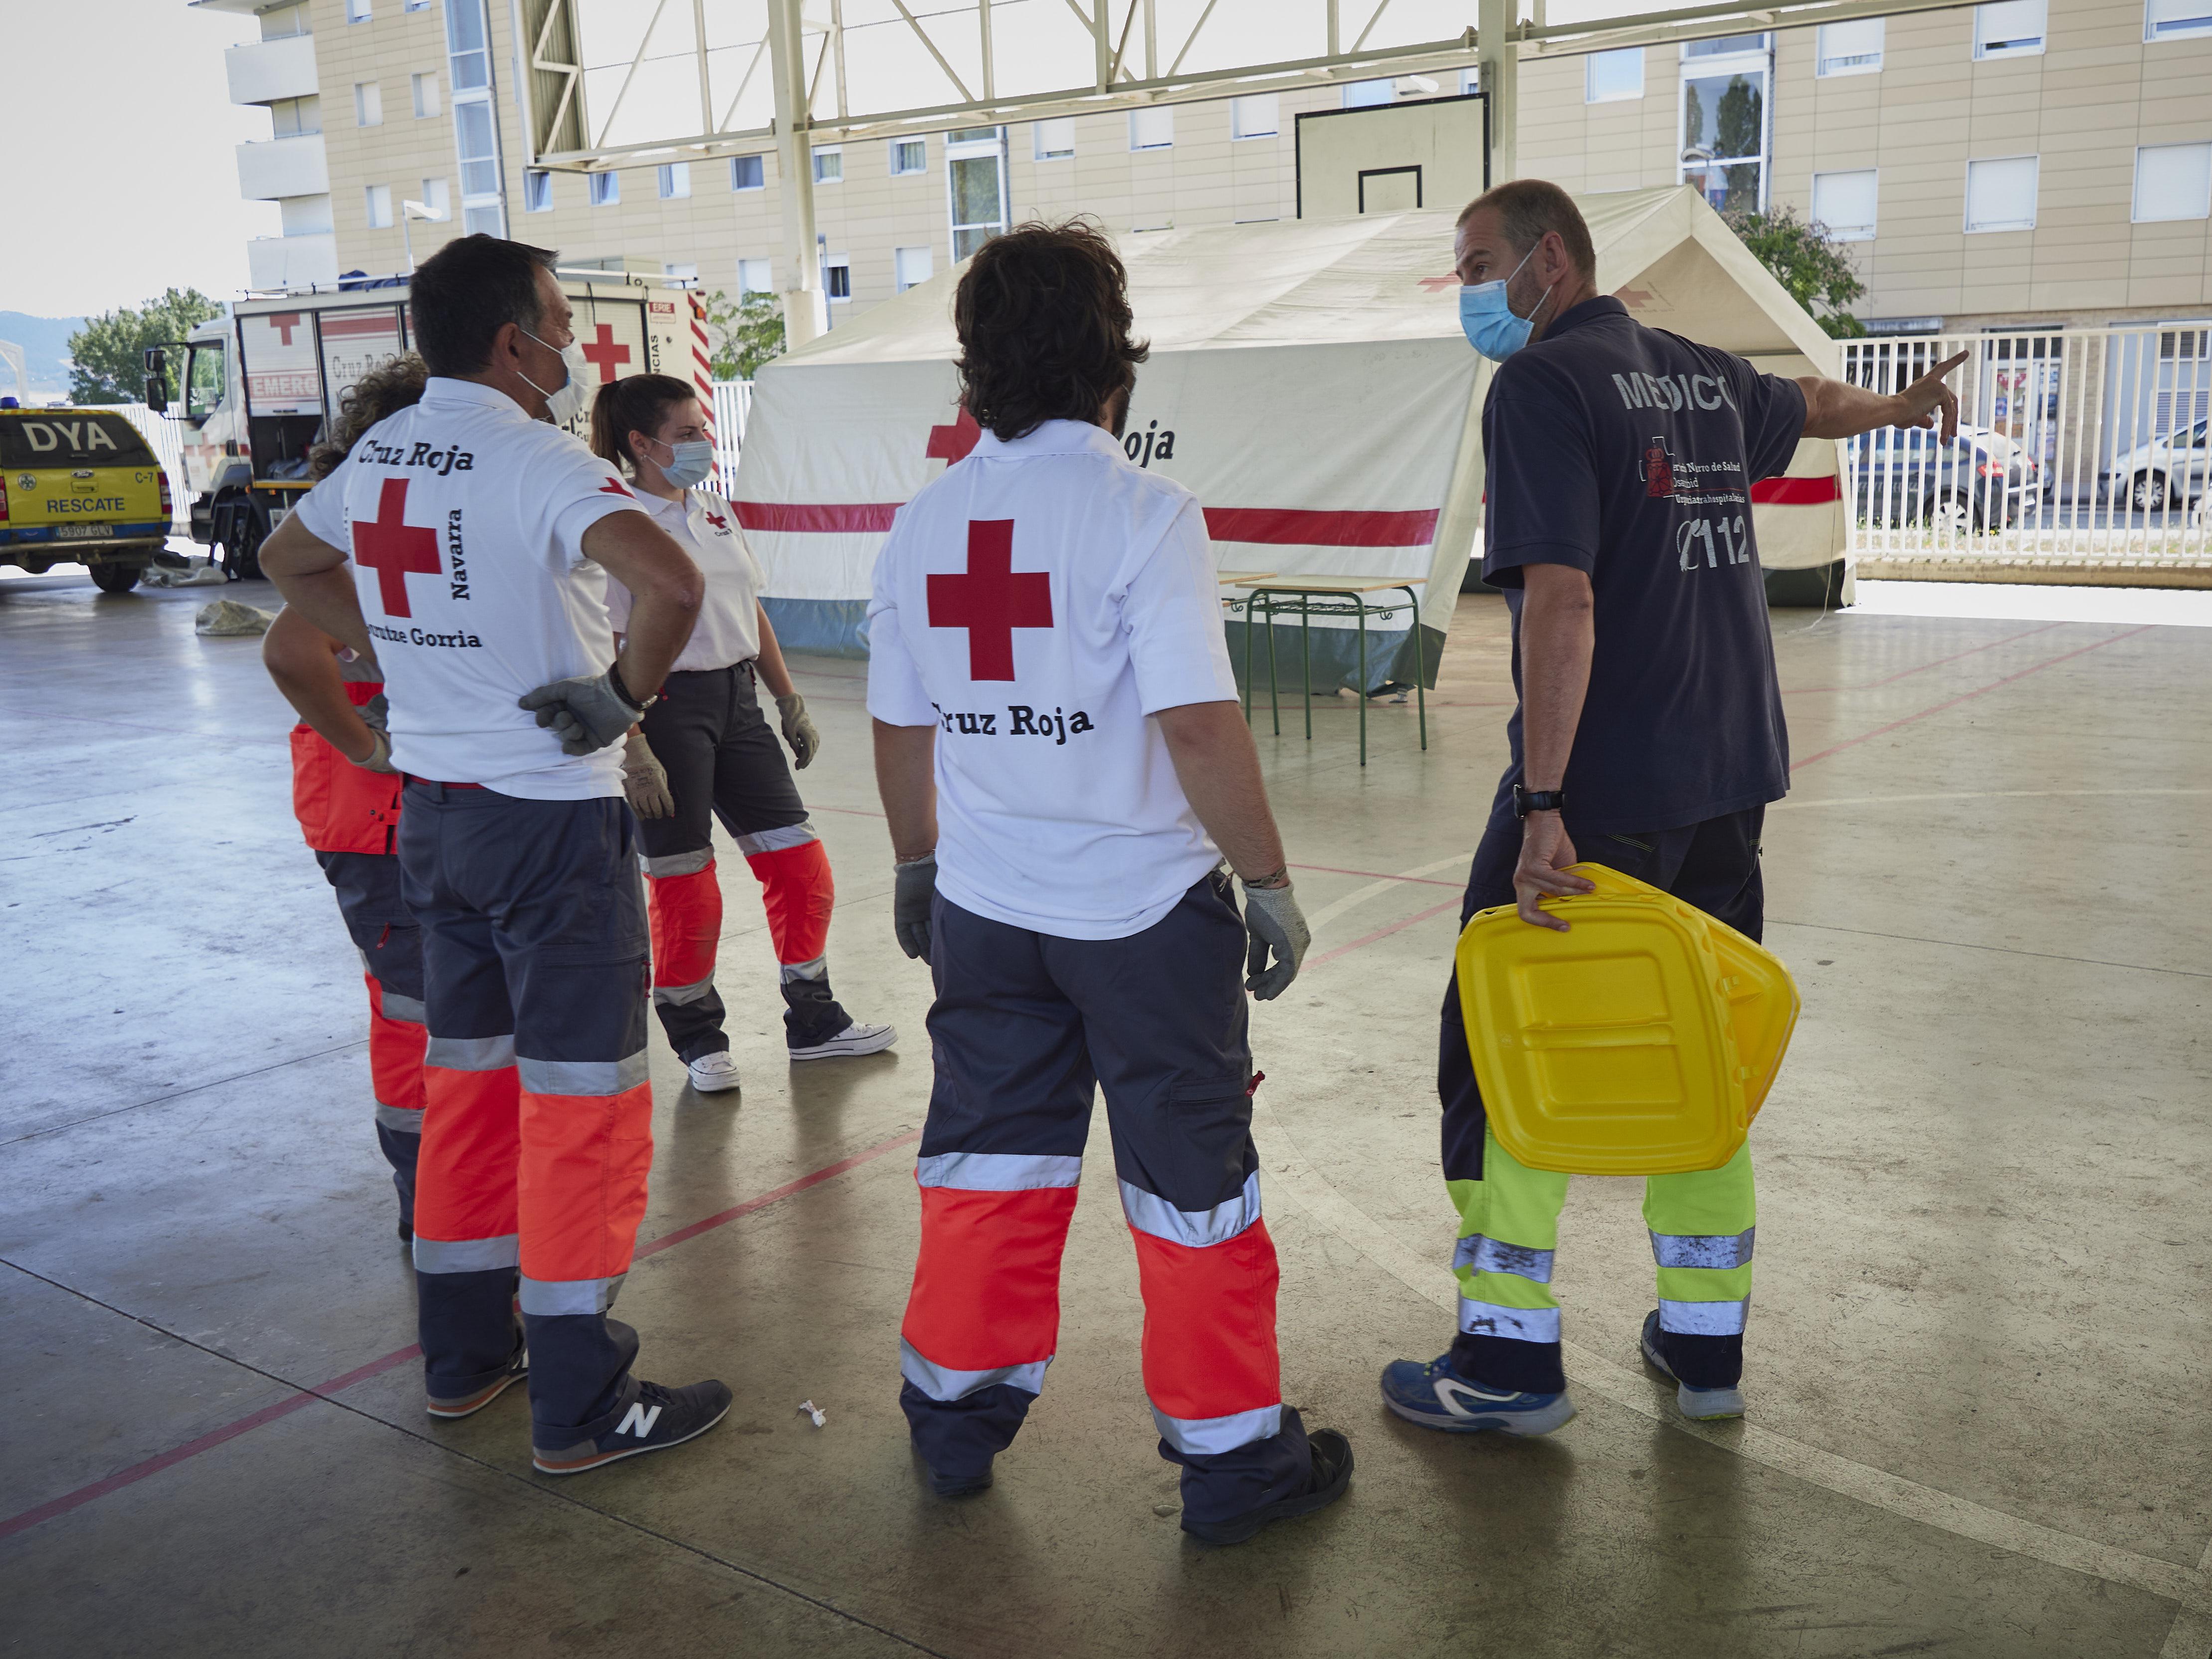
x=1628 y=452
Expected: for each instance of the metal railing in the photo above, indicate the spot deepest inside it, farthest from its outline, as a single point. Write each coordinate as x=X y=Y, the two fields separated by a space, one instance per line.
x=733 y=404
x=2080 y=451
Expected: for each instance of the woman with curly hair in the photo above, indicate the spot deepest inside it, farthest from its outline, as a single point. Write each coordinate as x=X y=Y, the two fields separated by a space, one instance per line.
x=346 y=796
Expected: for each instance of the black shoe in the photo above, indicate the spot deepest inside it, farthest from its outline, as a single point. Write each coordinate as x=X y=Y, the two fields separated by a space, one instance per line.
x=468 y=1405
x=406 y=1231
x=1331 y=1473
x=959 y=1485
x=655 y=1419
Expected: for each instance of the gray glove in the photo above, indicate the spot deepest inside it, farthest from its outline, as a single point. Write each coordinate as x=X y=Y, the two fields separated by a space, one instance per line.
x=587 y=713
x=380 y=758
x=798 y=731
x=645 y=780
x=1277 y=926
x=376 y=713
x=917 y=885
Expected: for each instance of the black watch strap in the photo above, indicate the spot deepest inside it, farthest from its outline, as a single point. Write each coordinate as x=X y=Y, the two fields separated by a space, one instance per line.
x=1526 y=801
x=615 y=680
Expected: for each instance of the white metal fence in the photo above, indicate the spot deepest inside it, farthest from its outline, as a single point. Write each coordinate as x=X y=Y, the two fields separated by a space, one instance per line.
x=2080 y=451
x=733 y=403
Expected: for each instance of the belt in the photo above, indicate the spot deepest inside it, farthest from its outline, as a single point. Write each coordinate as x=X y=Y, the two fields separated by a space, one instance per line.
x=435 y=784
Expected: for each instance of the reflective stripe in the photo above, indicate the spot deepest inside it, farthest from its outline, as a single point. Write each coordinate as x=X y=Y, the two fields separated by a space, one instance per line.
x=491 y=1054
x=679 y=863
x=1702 y=1250
x=1704 y=1318
x=678 y=996
x=1204 y=1436
x=581 y=1077
x=1492 y=1255
x=467 y=1255
x=544 y=1297
x=817 y=970
x=1521 y=1324
x=1148 y=1213
x=775 y=841
x=403 y=1120
x=942 y=1382
x=996 y=1172
x=395 y=1006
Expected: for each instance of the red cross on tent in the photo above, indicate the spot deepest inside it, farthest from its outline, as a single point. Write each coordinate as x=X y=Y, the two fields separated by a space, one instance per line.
x=991 y=600
x=394 y=548
x=951 y=443
x=1436 y=284
x=606 y=352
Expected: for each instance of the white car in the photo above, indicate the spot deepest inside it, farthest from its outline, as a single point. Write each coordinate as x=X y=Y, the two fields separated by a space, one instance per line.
x=2166 y=471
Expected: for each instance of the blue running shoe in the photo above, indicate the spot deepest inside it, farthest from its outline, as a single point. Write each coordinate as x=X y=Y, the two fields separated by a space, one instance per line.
x=1436 y=1398
x=1701 y=1405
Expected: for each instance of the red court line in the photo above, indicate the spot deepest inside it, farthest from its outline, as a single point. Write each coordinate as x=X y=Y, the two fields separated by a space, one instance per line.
x=1378 y=875
x=1904 y=673
x=247 y=1424
x=1327 y=957
x=1968 y=696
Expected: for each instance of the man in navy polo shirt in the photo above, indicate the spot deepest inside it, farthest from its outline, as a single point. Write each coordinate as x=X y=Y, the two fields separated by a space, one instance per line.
x=1649 y=738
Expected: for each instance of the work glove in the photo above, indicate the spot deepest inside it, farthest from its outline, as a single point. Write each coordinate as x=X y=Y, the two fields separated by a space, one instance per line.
x=586 y=713
x=798 y=731
x=376 y=714
x=917 y=885
x=1277 y=927
x=645 y=780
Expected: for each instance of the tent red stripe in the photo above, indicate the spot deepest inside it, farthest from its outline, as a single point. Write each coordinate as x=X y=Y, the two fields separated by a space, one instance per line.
x=1289 y=526
x=819 y=516
x=1798 y=492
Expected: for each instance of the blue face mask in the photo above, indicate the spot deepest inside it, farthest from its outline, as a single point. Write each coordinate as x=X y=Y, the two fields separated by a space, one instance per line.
x=1488 y=320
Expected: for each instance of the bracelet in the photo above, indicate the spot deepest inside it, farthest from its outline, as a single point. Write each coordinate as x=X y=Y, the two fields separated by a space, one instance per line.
x=1278 y=877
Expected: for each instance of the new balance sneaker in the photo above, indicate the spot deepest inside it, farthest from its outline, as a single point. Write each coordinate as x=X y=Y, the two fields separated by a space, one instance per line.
x=468 y=1405
x=1436 y=1397
x=711 y=1074
x=854 y=1039
x=655 y=1419
x=1702 y=1405
x=1331 y=1473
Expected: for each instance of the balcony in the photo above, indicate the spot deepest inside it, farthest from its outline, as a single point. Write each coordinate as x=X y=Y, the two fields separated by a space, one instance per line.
x=270 y=168
x=263 y=71
x=293 y=262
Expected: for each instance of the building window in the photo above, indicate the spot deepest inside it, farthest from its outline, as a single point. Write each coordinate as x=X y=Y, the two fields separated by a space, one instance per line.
x=753 y=276
x=473 y=125
x=2175 y=20
x=1153 y=128
x=675 y=179
x=830 y=164
x=283 y=23
x=975 y=186
x=686 y=274
x=292 y=117
x=1609 y=77
x=1470 y=81
x=2001 y=193
x=467 y=53
x=837 y=277
x=2009 y=28
x=1366 y=95
x=427 y=102
x=377 y=204
x=1724 y=120
x=2172 y=181
x=368 y=104
x=1723 y=45
x=416 y=5
x=537 y=191
x=475 y=129
x=438 y=198
x=482 y=222
x=1852 y=48
x=1259 y=116
x=908 y=156
x=1844 y=203
x=910 y=265
x=1053 y=140
x=606 y=189
x=746 y=173
x=357 y=12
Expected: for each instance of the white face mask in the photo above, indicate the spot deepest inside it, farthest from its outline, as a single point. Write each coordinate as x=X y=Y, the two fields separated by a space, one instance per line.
x=690 y=462
x=566 y=401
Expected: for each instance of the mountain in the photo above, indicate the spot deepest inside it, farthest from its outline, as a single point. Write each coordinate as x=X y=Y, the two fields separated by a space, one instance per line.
x=45 y=341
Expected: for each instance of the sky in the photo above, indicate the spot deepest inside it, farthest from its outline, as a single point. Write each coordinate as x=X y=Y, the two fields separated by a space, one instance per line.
x=132 y=186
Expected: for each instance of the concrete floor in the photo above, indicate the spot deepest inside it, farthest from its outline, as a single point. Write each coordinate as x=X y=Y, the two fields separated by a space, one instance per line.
x=1980 y=1422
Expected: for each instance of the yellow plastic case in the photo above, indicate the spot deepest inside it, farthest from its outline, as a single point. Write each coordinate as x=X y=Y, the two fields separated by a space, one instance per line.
x=1642 y=1042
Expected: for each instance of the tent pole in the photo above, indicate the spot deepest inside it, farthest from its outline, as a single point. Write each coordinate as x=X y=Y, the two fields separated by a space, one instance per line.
x=1501 y=85
x=804 y=313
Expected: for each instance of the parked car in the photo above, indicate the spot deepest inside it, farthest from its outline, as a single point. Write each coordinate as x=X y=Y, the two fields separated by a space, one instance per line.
x=2168 y=471
x=1980 y=480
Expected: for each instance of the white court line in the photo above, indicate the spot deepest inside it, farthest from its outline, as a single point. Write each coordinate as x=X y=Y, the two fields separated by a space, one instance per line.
x=1972 y=794
x=1876 y=1487
x=1330 y=912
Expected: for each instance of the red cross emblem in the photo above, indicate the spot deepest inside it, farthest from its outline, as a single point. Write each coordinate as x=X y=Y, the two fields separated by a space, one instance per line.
x=284 y=322
x=394 y=548
x=719 y=522
x=606 y=352
x=614 y=487
x=951 y=443
x=1436 y=284
x=991 y=600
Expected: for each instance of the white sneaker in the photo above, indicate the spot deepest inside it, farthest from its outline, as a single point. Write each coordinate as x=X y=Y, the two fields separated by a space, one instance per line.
x=712 y=1073
x=854 y=1039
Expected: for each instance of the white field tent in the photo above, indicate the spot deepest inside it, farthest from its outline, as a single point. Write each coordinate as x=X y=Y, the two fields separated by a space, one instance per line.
x=1308 y=382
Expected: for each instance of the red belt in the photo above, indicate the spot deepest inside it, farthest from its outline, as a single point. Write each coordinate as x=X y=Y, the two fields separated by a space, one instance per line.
x=435 y=784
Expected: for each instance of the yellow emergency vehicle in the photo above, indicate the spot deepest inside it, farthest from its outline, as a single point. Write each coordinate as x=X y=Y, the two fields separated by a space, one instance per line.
x=80 y=486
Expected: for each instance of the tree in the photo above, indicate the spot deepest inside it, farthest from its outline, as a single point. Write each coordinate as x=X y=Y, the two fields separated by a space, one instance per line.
x=1806 y=261
x=108 y=362
x=744 y=333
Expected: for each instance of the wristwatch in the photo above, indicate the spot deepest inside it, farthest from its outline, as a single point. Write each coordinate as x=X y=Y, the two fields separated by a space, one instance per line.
x=1526 y=801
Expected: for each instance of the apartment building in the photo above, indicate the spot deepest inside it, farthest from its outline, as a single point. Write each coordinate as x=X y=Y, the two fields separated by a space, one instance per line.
x=2022 y=161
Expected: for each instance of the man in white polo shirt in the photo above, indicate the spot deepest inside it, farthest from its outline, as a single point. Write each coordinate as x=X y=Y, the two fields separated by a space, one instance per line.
x=1064 y=767
x=481 y=538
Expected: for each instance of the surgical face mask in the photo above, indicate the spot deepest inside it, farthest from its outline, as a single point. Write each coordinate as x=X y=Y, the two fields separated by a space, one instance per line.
x=565 y=401
x=691 y=462
x=1487 y=318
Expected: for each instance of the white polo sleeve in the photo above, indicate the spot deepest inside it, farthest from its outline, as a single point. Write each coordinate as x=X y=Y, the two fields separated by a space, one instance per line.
x=895 y=694
x=321 y=511
x=571 y=489
x=1171 y=615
